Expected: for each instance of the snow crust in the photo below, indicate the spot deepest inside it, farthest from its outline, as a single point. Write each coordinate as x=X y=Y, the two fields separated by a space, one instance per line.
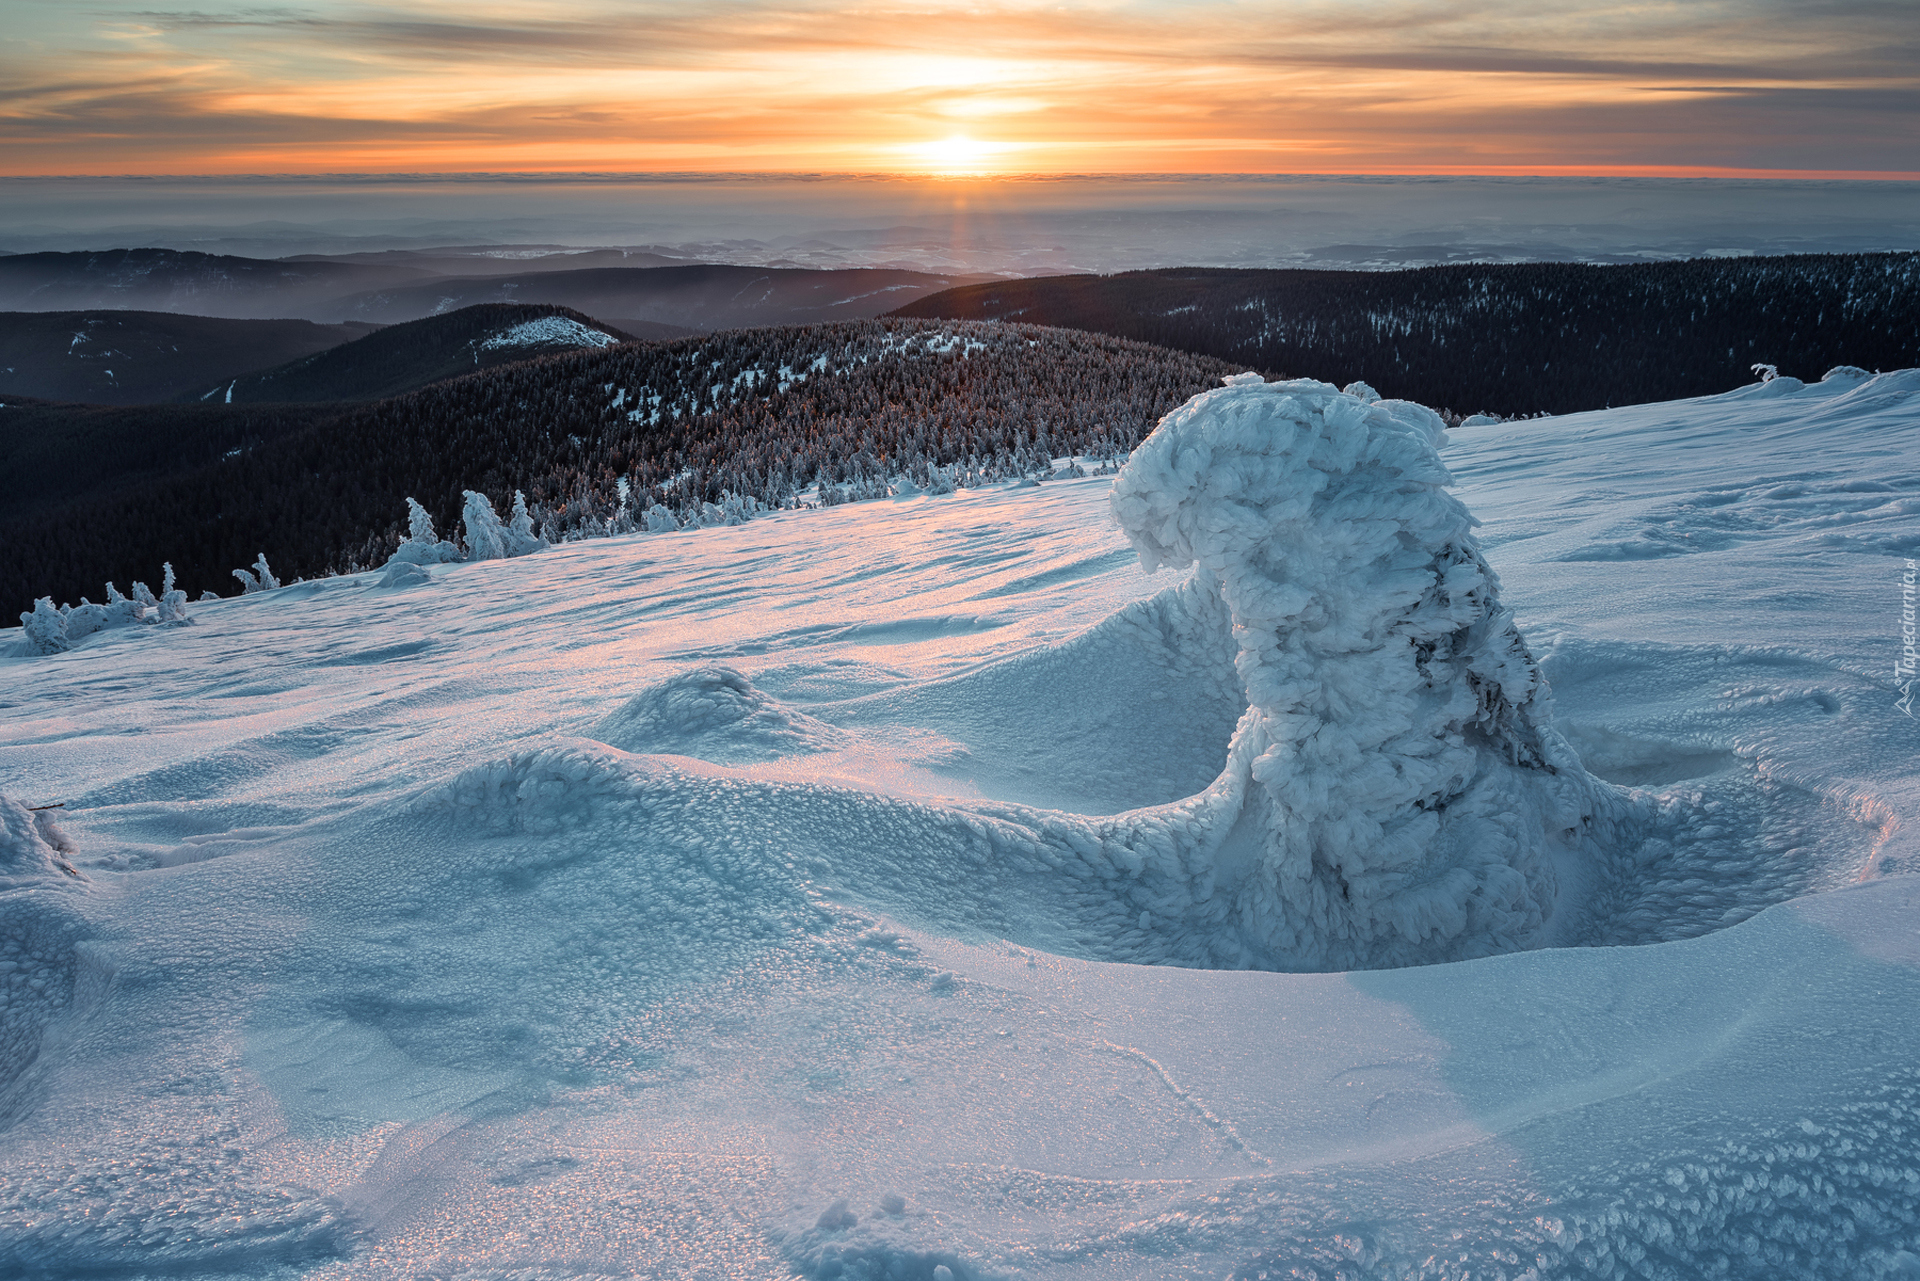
x=796 y=897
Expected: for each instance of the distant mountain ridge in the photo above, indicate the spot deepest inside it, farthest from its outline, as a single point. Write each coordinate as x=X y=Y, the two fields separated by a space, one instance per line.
x=400 y=358
x=642 y=290
x=1506 y=339
x=699 y=296
x=139 y=357
x=175 y=280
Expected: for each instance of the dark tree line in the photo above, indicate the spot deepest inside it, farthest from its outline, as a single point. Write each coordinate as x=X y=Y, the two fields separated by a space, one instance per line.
x=833 y=410
x=1505 y=339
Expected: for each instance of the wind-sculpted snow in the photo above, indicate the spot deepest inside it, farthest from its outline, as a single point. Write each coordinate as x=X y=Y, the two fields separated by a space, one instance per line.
x=38 y=928
x=1395 y=792
x=715 y=713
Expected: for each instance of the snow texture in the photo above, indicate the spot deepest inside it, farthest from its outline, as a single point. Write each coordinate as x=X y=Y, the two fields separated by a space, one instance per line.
x=32 y=846
x=714 y=713
x=895 y=889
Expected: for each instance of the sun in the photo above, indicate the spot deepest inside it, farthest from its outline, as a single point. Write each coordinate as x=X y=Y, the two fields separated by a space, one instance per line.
x=957 y=154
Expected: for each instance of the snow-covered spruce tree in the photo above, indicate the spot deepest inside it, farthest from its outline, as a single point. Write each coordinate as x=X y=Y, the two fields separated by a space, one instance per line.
x=120 y=610
x=45 y=628
x=1395 y=793
x=265 y=582
x=520 y=523
x=488 y=539
x=172 y=606
x=423 y=546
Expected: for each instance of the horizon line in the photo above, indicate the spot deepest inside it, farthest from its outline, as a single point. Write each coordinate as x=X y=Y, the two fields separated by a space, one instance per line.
x=1672 y=173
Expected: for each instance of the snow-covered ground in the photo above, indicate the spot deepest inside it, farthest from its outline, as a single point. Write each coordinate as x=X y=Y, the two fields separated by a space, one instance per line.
x=770 y=899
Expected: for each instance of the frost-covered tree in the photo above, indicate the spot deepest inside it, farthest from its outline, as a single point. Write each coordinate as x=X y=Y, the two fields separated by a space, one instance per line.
x=486 y=539
x=1396 y=791
x=521 y=523
x=85 y=619
x=172 y=605
x=52 y=628
x=120 y=610
x=423 y=545
x=46 y=628
x=249 y=584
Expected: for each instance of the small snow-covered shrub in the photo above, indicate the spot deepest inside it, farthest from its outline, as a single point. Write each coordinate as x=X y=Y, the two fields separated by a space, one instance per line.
x=46 y=628
x=120 y=610
x=52 y=629
x=85 y=619
x=249 y=584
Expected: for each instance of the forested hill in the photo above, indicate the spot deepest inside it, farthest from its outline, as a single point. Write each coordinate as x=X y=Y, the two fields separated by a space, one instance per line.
x=1509 y=340
x=138 y=357
x=399 y=358
x=762 y=414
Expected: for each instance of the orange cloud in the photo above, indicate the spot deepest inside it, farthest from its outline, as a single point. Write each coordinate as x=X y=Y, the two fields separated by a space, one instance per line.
x=1360 y=86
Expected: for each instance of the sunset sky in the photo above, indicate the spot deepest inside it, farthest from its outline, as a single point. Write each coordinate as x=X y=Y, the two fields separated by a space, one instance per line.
x=1695 y=87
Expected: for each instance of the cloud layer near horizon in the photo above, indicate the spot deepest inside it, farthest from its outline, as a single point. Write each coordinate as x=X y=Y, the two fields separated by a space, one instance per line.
x=1382 y=86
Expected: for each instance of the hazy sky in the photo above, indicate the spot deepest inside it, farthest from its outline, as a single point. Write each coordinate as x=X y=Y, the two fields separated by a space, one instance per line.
x=1322 y=86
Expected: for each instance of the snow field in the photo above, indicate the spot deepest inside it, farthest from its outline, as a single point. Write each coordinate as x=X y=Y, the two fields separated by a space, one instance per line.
x=626 y=908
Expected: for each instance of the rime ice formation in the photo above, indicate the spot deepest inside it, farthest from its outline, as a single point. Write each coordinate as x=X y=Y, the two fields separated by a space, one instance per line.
x=423 y=546
x=51 y=629
x=488 y=539
x=249 y=584
x=1395 y=792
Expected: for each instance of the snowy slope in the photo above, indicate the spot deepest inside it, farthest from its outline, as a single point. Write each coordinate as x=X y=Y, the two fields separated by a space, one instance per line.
x=768 y=899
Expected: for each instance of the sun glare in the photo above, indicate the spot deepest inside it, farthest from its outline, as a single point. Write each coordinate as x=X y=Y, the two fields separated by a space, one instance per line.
x=958 y=154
